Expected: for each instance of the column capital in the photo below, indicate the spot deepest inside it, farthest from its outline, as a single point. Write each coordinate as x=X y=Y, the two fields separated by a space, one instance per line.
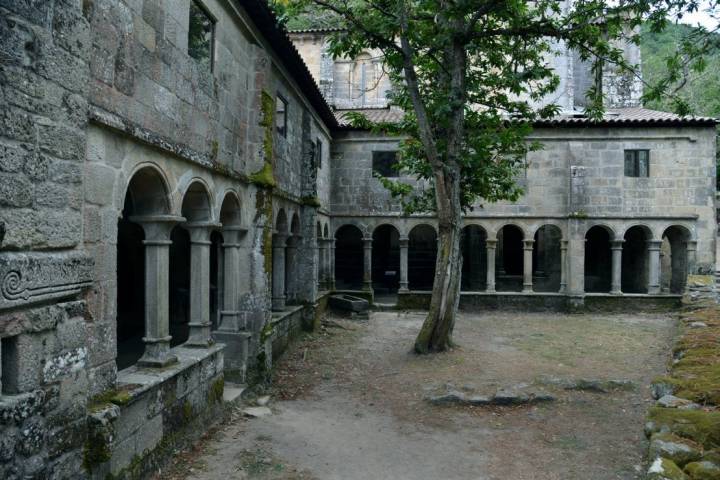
x=616 y=244
x=491 y=243
x=157 y=227
x=233 y=234
x=528 y=244
x=367 y=241
x=654 y=244
x=279 y=238
x=200 y=231
x=564 y=244
x=404 y=241
x=691 y=244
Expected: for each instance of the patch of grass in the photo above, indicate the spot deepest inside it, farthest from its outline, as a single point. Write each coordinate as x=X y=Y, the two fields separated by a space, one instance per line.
x=698 y=425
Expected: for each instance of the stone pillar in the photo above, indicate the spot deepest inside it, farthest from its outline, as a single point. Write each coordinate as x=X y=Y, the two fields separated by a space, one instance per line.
x=157 y=243
x=200 y=284
x=331 y=264
x=318 y=263
x=617 y=247
x=290 y=268
x=230 y=314
x=490 y=246
x=691 y=248
x=278 y=273
x=404 y=242
x=527 y=266
x=367 y=263
x=563 y=265
x=653 y=247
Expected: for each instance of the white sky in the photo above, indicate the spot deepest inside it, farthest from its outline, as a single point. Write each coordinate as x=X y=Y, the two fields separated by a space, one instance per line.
x=701 y=17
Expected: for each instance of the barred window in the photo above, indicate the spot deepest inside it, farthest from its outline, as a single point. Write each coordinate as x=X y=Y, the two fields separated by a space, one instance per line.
x=200 y=35
x=383 y=163
x=637 y=163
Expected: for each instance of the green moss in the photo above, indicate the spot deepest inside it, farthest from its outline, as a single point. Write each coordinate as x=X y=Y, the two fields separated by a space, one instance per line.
x=670 y=471
x=311 y=201
x=117 y=396
x=214 y=147
x=187 y=412
x=96 y=450
x=264 y=177
x=697 y=425
x=215 y=394
x=703 y=471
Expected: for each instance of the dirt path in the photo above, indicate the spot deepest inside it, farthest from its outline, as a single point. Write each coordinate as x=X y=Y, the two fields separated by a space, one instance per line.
x=349 y=403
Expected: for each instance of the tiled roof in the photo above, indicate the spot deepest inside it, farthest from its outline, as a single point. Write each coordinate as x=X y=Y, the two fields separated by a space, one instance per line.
x=315 y=30
x=280 y=42
x=629 y=117
x=613 y=117
x=375 y=115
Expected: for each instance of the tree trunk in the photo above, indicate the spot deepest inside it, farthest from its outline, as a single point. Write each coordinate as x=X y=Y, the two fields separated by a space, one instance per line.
x=436 y=332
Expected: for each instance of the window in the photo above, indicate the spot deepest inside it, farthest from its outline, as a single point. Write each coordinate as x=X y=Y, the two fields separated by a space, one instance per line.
x=637 y=163
x=384 y=162
x=318 y=153
x=9 y=366
x=200 y=35
x=281 y=107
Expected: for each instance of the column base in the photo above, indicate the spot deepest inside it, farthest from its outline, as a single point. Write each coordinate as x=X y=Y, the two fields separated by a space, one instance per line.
x=367 y=286
x=490 y=289
x=654 y=290
x=563 y=288
x=157 y=353
x=199 y=335
x=616 y=292
x=403 y=289
x=278 y=304
x=527 y=289
x=230 y=321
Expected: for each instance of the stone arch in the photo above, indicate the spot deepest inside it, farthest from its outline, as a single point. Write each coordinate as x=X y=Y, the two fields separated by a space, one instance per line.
x=281 y=223
x=473 y=245
x=196 y=204
x=598 y=258
x=326 y=231
x=385 y=258
x=318 y=230
x=422 y=256
x=509 y=258
x=230 y=210
x=147 y=192
x=349 y=257
x=295 y=224
x=674 y=260
x=634 y=278
x=547 y=253
x=610 y=230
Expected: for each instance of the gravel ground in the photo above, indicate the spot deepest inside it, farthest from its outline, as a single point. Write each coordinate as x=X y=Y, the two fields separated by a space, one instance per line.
x=349 y=403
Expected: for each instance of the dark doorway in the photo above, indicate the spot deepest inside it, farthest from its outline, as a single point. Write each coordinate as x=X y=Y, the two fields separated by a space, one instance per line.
x=349 y=258
x=474 y=255
x=509 y=259
x=216 y=278
x=547 y=259
x=598 y=260
x=130 y=292
x=674 y=260
x=422 y=255
x=386 y=259
x=635 y=261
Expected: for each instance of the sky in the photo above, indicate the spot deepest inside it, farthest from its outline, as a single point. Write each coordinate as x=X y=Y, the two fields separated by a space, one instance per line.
x=701 y=17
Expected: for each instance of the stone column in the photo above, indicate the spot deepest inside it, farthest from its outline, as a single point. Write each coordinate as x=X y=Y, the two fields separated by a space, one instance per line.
x=290 y=271
x=616 y=286
x=367 y=263
x=318 y=262
x=404 y=242
x=691 y=248
x=527 y=266
x=230 y=314
x=563 y=265
x=278 y=273
x=490 y=246
x=653 y=247
x=331 y=264
x=200 y=284
x=157 y=243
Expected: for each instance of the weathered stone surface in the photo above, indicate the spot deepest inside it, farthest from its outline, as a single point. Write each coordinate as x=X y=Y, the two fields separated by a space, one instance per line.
x=671 y=401
x=664 y=469
x=257 y=412
x=703 y=470
x=677 y=449
x=518 y=395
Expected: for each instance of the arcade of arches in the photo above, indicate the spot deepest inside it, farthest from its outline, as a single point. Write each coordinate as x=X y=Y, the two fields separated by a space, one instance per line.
x=510 y=260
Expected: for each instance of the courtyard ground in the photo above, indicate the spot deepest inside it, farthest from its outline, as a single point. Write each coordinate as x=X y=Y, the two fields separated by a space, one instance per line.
x=349 y=402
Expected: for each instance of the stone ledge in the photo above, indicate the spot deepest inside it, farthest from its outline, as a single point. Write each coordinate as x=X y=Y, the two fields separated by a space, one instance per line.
x=143 y=379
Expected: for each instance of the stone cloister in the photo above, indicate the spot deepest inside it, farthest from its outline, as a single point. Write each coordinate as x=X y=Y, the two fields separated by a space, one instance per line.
x=613 y=257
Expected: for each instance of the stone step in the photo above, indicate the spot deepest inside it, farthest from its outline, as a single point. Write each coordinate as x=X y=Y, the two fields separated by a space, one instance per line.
x=232 y=392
